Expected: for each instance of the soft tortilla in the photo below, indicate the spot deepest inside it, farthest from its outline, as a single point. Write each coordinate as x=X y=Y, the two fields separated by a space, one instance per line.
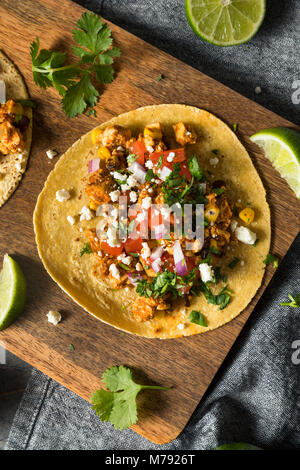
x=10 y=174
x=59 y=243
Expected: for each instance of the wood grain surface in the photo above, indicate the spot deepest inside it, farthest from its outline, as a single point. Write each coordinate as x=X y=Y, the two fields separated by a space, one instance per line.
x=188 y=364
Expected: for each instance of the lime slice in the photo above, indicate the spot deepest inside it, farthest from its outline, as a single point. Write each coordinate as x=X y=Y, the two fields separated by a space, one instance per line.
x=12 y=292
x=282 y=147
x=225 y=22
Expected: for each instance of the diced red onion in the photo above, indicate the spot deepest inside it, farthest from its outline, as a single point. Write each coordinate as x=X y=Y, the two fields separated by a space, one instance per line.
x=156 y=265
x=135 y=277
x=179 y=261
x=156 y=254
x=138 y=171
x=94 y=165
x=164 y=173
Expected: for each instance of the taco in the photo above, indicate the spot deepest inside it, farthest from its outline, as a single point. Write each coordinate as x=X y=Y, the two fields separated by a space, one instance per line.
x=169 y=284
x=15 y=128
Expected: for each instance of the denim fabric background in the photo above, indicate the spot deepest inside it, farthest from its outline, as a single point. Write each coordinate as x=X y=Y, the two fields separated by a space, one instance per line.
x=256 y=395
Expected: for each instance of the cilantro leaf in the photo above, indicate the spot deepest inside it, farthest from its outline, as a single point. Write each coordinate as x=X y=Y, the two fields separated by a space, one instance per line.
x=272 y=259
x=195 y=169
x=233 y=263
x=74 y=82
x=198 y=318
x=118 y=403
x=86 y=249
x=27 y=103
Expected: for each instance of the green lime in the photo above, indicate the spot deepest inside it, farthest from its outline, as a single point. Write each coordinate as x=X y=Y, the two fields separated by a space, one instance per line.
x=282 y=147
x=225 y=22
x=12 y=292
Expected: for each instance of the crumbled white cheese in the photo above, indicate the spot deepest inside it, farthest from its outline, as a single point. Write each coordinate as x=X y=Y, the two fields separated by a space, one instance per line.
x=71 y=220
x=114 y=271
x=156 y=181
x=114 y=195
x=114 y=213
x=149 y=148
x=138 y=267
x=112 y=238
x=206 y=272
x=146 y=252
x=170 y=157
x=258 y=90
x=62 y=195
x=99 y=253
x=141 y=216
x=81 y=229
x=197 y=245
x=51 y=154
x=181 y=326
x=127 y=260
x=132 y=196
x=131 y=181
x=118 y=176
x=54 y=317
x=125 y=187
x=149 y=164
x=150 y=190
x=85 y=214
x=214 y=161
x=242 y=263
x=243 y=234
x=146 y=203
x=120 y=148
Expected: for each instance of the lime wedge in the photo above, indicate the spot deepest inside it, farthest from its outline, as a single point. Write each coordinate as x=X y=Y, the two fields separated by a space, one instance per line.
x=282 y=147
x=12 y=292
x=225 y=22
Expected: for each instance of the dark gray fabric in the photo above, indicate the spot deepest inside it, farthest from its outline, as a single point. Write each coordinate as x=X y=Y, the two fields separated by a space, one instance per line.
x=255 y=396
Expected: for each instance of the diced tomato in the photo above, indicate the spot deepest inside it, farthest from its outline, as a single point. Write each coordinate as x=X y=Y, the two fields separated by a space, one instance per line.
x=179 y=157
x=139 y=149
x=168 y=262
x=132 y=245
x=111 y=250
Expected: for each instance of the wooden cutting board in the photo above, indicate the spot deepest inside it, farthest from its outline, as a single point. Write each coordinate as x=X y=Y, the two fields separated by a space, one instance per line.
x=188 y=364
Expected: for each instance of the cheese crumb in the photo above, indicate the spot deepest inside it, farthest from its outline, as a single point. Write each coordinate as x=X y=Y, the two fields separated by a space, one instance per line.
x=132 y=196
x=206 y=272
x=146 y=252
x=138 y=267
x=258 y=90
x=214 y=161
x=149 y=164
x=181 y=326
x=114 y=195
x=54 y=317
x=114 y=271
x=71 y=220
x=85 y=214
x=171 y=157
x=51 y=154
x=62 y=195
x=244 y=235
x=146 y=203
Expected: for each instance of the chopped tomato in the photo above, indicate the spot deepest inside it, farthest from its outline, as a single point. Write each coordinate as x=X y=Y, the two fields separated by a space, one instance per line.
x=139 y=149
x=132 y=245
x=168 y=262
x=111 y=250
x=184 y=171
x=179 y=157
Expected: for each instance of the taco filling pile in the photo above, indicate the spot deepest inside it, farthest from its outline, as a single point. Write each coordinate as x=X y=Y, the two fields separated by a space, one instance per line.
x=156 y=222
x=146 y=249
x=13 y=125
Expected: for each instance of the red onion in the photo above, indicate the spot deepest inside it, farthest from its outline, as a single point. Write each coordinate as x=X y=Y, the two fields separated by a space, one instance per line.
x=179 y=261
x=156 y=265
x=94 y=165
x=138 y=171
x=156 y=254
x=164 y=173
x=159 y=232
x=135 y=277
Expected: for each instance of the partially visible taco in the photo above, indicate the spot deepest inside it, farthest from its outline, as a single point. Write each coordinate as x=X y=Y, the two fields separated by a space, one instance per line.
x=167 y=286
x=15 y=128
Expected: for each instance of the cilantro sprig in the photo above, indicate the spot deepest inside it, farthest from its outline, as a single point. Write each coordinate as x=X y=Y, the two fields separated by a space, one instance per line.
x=74 y=81
x=86 y=249
x=272 y=259
x=118 y=403
x=294 y=301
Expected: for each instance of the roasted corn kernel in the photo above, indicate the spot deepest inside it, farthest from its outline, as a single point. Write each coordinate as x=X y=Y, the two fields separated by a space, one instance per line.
x=96 y=135
x=247 y=215
x=211 y=213
x=154 y=131
x=104 y=153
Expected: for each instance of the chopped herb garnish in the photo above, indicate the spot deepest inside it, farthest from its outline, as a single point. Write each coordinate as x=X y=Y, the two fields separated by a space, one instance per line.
x=235 y=127
x=18 y=118
x=272 y=259
x=160 y=161
x=117 y=404
x=233 y=263
x=160 y=77
x=198 y=318
x=86 y=249
x=218 y=191
x=74 y=82
x=92 y=112
x=256 y=242
x=149 y=176
x=195 y=169
x=214 y=250
x=215 y=151
x=123 y=266
x=294 y=301
x=132 y=158
x=71 y=347
x=135 y=255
